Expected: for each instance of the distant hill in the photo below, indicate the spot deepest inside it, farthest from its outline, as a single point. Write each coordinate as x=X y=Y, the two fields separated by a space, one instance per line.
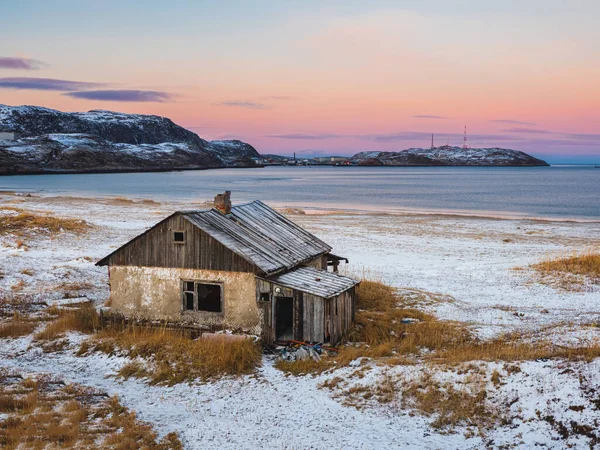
x=50 y=141
x=448 y=156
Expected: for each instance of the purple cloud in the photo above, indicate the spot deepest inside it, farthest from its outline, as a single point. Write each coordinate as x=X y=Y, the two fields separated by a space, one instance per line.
x=512 y=122
x=593 y=137
x=123 y=95
x=7 y=62
x=45 y=84
x=243 y=104
x=428 y=116
x=309 y=136
x=527 y=130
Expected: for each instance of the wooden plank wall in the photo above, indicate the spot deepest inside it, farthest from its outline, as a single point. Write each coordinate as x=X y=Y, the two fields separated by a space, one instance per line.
x=315 y=319
x=267 y=329
x=200 y=251
x=298 y=315
x=339 y=315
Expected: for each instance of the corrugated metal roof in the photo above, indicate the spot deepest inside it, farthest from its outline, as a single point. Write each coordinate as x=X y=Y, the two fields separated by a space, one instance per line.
x=314 y=281
x=260 y=235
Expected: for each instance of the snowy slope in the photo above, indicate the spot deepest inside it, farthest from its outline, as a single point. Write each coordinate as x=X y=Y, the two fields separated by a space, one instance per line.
x=98 y=140
x=450 y=156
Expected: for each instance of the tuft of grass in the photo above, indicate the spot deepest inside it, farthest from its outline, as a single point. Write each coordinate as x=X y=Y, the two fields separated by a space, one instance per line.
x=50 y=415
x=375 y=296
x=309 y=366
x=15 y=327
x=84 y=320
x=449 y=404
x=171 y=358
x=26 y=223
x=573 y=271
x=18 y=286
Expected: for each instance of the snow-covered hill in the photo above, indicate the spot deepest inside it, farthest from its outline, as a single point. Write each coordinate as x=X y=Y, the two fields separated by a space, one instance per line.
x=449 y=156
x=98 y=140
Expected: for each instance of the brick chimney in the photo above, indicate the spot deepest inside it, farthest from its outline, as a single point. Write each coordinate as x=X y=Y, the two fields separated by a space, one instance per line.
x=223 y=202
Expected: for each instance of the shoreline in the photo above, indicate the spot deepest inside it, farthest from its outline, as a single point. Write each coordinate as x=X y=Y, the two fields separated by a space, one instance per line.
x=262 y=166
x=326 y=210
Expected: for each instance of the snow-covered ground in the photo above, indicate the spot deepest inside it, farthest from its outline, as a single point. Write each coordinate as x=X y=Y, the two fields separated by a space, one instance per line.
x=470 y=262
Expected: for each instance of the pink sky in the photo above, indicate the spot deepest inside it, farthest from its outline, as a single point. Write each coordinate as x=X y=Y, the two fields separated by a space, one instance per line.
x=317 y=79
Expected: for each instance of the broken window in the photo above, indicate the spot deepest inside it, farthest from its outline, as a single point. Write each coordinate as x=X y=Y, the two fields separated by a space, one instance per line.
x=209 y=297
x=179 y=237
x=265 y=297
x=188 y=296
x=199 y=296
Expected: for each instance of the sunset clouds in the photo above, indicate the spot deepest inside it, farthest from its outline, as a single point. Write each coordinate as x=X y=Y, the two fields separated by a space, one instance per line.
x=20 y=63
x=123 y=95
x=319 y=76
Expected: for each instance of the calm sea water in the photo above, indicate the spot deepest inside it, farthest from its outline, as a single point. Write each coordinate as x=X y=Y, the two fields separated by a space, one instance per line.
x=561 y=192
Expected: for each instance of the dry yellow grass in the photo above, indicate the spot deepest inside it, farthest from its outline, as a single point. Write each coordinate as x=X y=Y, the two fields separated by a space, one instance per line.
x=26 y=223
x=18 y=286
x=309 y=366
x=84 y=320
x=381 y=326
x=450 y=405
x=571 y=272
x=40 y=414
x=171 y=358
x=16 y=326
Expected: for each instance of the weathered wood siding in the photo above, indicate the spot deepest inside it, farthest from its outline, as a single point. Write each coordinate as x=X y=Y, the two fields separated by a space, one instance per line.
x=320 y=262
x=267 y=328
x=156 y=248
x=339 y=315
x=316 y=319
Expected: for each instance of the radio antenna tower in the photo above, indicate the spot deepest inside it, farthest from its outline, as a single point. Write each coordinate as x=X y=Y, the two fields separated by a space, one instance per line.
x=465 y=145
x=432 y=146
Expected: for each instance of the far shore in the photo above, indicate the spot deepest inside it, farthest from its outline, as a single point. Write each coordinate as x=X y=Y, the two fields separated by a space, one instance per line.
x=182 y=169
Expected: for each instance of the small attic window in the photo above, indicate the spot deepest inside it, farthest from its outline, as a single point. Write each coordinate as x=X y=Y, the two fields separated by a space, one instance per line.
x=179 y=237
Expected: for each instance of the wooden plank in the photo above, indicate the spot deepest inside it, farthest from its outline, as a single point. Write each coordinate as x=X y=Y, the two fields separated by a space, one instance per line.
x=298 y=315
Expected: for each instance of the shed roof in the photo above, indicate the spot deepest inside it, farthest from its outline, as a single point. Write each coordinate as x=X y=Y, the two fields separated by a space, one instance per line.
x=314 y=281
x=260 y=235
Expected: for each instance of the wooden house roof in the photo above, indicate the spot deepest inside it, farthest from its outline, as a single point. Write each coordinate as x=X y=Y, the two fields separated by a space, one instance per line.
x=260 y=235
x=256 y=233
x=314 y=281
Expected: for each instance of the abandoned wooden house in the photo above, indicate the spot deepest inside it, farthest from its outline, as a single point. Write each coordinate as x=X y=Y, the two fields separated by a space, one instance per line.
x=244 y=267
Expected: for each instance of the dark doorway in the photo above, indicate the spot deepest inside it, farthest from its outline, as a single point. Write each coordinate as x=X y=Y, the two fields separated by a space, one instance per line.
x=284 y=318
